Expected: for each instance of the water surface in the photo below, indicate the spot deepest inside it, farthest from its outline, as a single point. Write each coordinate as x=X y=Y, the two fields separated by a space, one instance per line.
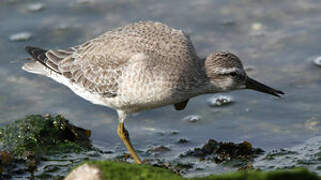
x=277 y=40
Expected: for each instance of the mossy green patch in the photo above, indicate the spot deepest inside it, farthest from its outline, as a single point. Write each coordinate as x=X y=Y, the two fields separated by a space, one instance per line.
x=121 y=170
x=45 y=135
x=26 y=142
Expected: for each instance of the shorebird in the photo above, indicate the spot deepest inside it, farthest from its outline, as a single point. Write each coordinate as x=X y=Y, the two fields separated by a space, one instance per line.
x=141 y=66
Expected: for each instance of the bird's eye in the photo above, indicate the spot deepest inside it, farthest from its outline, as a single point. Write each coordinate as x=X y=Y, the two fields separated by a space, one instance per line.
x=233 y=74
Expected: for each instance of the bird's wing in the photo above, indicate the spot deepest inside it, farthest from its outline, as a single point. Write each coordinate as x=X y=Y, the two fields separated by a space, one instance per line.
x=94 y=71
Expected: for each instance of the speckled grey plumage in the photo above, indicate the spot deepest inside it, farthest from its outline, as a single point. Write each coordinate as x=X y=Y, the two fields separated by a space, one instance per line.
x=136 y=67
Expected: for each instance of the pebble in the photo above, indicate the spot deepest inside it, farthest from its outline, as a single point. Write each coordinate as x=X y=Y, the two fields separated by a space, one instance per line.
x=85 y=171
x=192 y=118
x=317 y=61
x=182 y=141
x=22 y=36
x=257 y=26
x=220 y=100
x=159 y=149
x=174 y=132
x=35 y=7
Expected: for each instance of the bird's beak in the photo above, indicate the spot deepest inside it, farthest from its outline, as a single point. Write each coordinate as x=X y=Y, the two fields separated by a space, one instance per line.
x=257 y=86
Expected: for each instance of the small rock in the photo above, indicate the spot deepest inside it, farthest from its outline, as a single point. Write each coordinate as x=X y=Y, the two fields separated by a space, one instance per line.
x=192 y=118
x=22 y=36
x=317 y=61
x=85 y=172
x=256 y=26
x=35 y=7
x=182 y=141
x=220 y=100
x=174 y=132
x=158 y=149
x=224 y=151
x=161 y=133
x=6 y=158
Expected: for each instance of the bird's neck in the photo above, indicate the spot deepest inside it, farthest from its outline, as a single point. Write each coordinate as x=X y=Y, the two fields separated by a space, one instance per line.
x=204 y=85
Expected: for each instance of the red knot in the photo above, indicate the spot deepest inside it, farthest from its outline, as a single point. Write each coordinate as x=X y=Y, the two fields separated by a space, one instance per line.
x=141 y=66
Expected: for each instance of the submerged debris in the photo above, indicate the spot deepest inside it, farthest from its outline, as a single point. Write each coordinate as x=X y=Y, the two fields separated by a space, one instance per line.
x=29 y=140
x=175 y=167
x=220 y=100
x=306 y=155
x=278 y=153
x=220 y=152
x=6 y=162
x=158 y=149
x=22 y=36
x=174 y=132
x=182 y=141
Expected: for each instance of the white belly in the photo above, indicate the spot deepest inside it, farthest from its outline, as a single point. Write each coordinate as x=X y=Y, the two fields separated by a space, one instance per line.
x=94 y=98
x=131 y=97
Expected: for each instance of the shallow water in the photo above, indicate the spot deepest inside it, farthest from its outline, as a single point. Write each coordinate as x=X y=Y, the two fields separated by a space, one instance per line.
x=278 y=41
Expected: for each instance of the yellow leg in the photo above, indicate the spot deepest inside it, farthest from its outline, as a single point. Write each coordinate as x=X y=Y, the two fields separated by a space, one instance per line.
x=124 y=136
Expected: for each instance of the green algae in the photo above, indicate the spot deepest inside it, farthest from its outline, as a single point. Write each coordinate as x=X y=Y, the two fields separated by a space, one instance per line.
x=121 y=170
x=27 y=142
x=46 y=135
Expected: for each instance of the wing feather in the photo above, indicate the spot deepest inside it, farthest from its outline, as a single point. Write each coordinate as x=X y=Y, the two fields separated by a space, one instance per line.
x=96 y=73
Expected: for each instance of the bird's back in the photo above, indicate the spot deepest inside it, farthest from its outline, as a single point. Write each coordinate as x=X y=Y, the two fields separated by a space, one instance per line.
x=144 y=63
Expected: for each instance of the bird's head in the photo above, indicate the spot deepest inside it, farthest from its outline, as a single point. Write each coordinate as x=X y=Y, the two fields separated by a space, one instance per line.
x=226 y=72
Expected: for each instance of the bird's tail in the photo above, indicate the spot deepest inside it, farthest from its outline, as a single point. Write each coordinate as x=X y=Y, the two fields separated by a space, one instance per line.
x=38 y=66
x=37 y=54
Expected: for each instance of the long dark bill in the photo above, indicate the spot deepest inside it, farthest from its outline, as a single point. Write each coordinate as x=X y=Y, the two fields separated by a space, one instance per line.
x=257 y=86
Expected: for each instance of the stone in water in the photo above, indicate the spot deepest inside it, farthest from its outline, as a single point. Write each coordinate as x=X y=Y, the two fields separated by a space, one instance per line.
x=22 y=36
x=35 y=7
x=216 y=101
x=317 y=61
x=192 y=118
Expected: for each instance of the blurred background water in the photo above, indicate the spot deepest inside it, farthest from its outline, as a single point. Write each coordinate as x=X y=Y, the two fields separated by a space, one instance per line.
x=276 y=40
